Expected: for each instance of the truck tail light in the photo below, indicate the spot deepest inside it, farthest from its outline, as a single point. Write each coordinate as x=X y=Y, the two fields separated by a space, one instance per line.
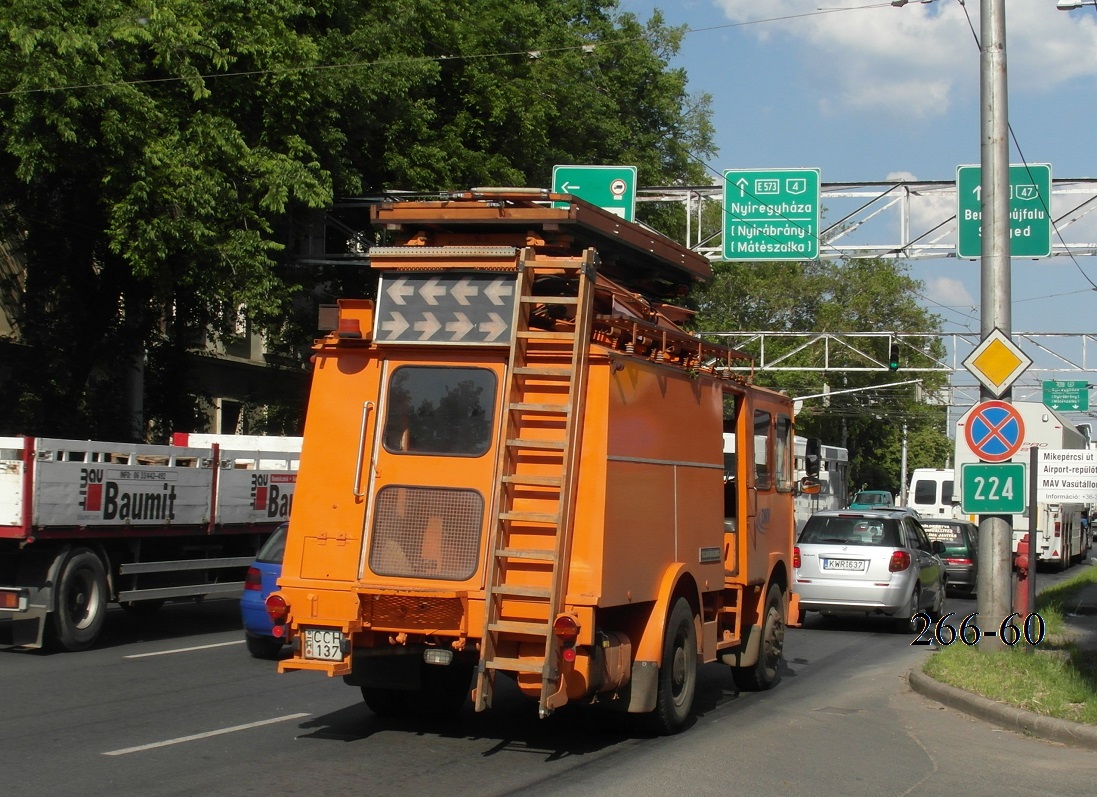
x=253 y=580
x=277 y=608
x=796 y=556
x=1058 y=528
x=10 y=599
x=566 y=629
x=900 y=561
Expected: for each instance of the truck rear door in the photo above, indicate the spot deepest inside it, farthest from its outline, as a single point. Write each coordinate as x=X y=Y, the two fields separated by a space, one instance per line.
x=433 y=469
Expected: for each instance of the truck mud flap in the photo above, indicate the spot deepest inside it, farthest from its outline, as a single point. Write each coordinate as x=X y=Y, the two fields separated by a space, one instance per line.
x=643 y=688
x=28 y=629
x=746 y=654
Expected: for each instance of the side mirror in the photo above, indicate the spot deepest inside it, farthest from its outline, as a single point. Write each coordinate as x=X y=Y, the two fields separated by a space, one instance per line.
x=938 y=547
x=808 y=486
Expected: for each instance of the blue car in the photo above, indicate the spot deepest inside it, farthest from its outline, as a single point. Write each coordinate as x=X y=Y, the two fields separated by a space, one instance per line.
x=258 y=584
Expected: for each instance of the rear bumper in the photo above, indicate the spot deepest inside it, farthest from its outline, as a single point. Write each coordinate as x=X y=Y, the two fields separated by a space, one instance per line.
x=852 y=597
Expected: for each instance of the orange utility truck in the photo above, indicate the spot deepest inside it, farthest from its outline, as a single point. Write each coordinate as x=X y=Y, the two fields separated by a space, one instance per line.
x=513 y=466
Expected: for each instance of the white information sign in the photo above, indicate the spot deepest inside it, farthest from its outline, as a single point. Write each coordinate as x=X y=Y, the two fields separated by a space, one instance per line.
x=1066 y=475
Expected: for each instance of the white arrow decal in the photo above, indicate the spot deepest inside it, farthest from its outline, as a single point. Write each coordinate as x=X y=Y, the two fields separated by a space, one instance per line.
x=496 y=327
x=978 y=191
x=428 y=326
x=568 y=188
x=497 y=290
x=463 y=290
x=396 y=326
x=432 y=290
x=742 y=183
x=461 y=327
x=398 y=290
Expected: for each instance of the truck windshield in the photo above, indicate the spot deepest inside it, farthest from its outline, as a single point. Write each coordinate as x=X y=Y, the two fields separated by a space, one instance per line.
x=439 y=410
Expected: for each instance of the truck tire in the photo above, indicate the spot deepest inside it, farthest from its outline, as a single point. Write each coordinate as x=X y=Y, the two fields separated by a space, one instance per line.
x=766 y=672
x=443 y=690
x=386 y=702
x=81 y=601
x=678 y=673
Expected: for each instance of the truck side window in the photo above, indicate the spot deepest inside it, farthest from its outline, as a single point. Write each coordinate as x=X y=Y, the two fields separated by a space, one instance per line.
x=785 y=450
x=439 y=410
x=763 y=467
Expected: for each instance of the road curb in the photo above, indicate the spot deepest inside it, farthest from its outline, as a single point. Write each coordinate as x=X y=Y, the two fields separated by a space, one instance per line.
x=1057 y=730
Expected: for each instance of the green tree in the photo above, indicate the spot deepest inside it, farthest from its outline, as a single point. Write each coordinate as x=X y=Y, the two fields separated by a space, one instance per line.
x=159 y=160
x=870 y=295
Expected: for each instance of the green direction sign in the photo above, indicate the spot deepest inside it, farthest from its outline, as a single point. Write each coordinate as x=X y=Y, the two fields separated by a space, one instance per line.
x=771 y=215
x=992 y=489
x=1029 y=206
x=611 y=188
x=1071 y=396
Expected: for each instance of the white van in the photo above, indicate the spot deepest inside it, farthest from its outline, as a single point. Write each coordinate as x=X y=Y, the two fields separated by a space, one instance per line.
x=930 y=493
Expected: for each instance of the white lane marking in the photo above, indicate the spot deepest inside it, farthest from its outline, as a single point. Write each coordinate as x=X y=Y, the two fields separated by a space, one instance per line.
x=206 y=735
x=182 y=650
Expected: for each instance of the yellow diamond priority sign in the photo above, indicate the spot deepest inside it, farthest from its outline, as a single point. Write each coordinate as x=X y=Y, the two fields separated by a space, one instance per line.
x=997 y=362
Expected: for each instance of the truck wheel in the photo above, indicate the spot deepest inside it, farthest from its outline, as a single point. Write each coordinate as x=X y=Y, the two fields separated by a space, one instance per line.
x=81 y=599
x=678 y=675
x=766 y=672
x=386 y=702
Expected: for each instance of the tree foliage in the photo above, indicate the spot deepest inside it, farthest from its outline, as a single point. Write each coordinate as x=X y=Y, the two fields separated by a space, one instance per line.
x=158 y=161
x=865 y=414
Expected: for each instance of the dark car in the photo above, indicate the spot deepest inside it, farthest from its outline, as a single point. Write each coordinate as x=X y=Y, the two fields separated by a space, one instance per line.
x=872 y=499
x=260 y=582
x=961 y=541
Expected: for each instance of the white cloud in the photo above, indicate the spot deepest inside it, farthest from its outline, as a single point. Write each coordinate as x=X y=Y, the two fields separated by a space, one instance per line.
x=916 y=60
x=949 y=292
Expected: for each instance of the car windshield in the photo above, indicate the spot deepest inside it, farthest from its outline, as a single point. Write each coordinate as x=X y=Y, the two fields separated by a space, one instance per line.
x=850 y=531
x=275 y=546
x=870 y=498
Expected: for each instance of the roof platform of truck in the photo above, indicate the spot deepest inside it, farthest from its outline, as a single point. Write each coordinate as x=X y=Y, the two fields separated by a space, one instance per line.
x=633 y=255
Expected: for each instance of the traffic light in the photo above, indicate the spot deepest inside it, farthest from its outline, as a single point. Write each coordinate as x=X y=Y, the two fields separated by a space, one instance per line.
x=893 y=359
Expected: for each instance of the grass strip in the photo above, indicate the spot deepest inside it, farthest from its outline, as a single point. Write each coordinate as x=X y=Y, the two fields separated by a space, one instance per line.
x=1058 y=679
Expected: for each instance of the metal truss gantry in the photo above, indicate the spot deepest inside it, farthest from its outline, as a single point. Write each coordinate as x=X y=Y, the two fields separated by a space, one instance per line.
x=888 y=219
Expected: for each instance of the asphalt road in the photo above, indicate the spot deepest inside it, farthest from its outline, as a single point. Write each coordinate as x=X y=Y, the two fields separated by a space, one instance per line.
x=173 y=705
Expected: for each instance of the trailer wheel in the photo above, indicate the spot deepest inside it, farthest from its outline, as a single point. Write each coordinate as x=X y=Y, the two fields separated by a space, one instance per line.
x=766 y=672
x=678 y=675
x=81 y=601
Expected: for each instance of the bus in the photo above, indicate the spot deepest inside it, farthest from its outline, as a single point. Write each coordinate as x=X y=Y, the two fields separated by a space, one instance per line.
x=827 y=466
x=821 y=473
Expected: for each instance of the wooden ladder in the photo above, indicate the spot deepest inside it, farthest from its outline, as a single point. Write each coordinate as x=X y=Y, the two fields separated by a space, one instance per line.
x=537 y=466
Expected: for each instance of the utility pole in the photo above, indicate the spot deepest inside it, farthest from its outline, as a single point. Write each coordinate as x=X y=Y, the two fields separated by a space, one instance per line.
x=995 y=599
x=904 y=499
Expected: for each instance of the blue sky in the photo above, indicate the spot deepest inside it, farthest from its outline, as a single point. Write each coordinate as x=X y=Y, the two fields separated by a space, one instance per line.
x=866 y=91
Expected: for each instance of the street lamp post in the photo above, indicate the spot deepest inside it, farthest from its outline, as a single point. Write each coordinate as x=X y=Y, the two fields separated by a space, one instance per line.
x=1070 y=5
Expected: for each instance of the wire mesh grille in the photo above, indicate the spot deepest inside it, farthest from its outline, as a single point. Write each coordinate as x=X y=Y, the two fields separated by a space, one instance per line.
x=426 y=532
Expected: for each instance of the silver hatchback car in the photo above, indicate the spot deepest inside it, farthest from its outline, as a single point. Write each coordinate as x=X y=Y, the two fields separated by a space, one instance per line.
x=869 y=562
